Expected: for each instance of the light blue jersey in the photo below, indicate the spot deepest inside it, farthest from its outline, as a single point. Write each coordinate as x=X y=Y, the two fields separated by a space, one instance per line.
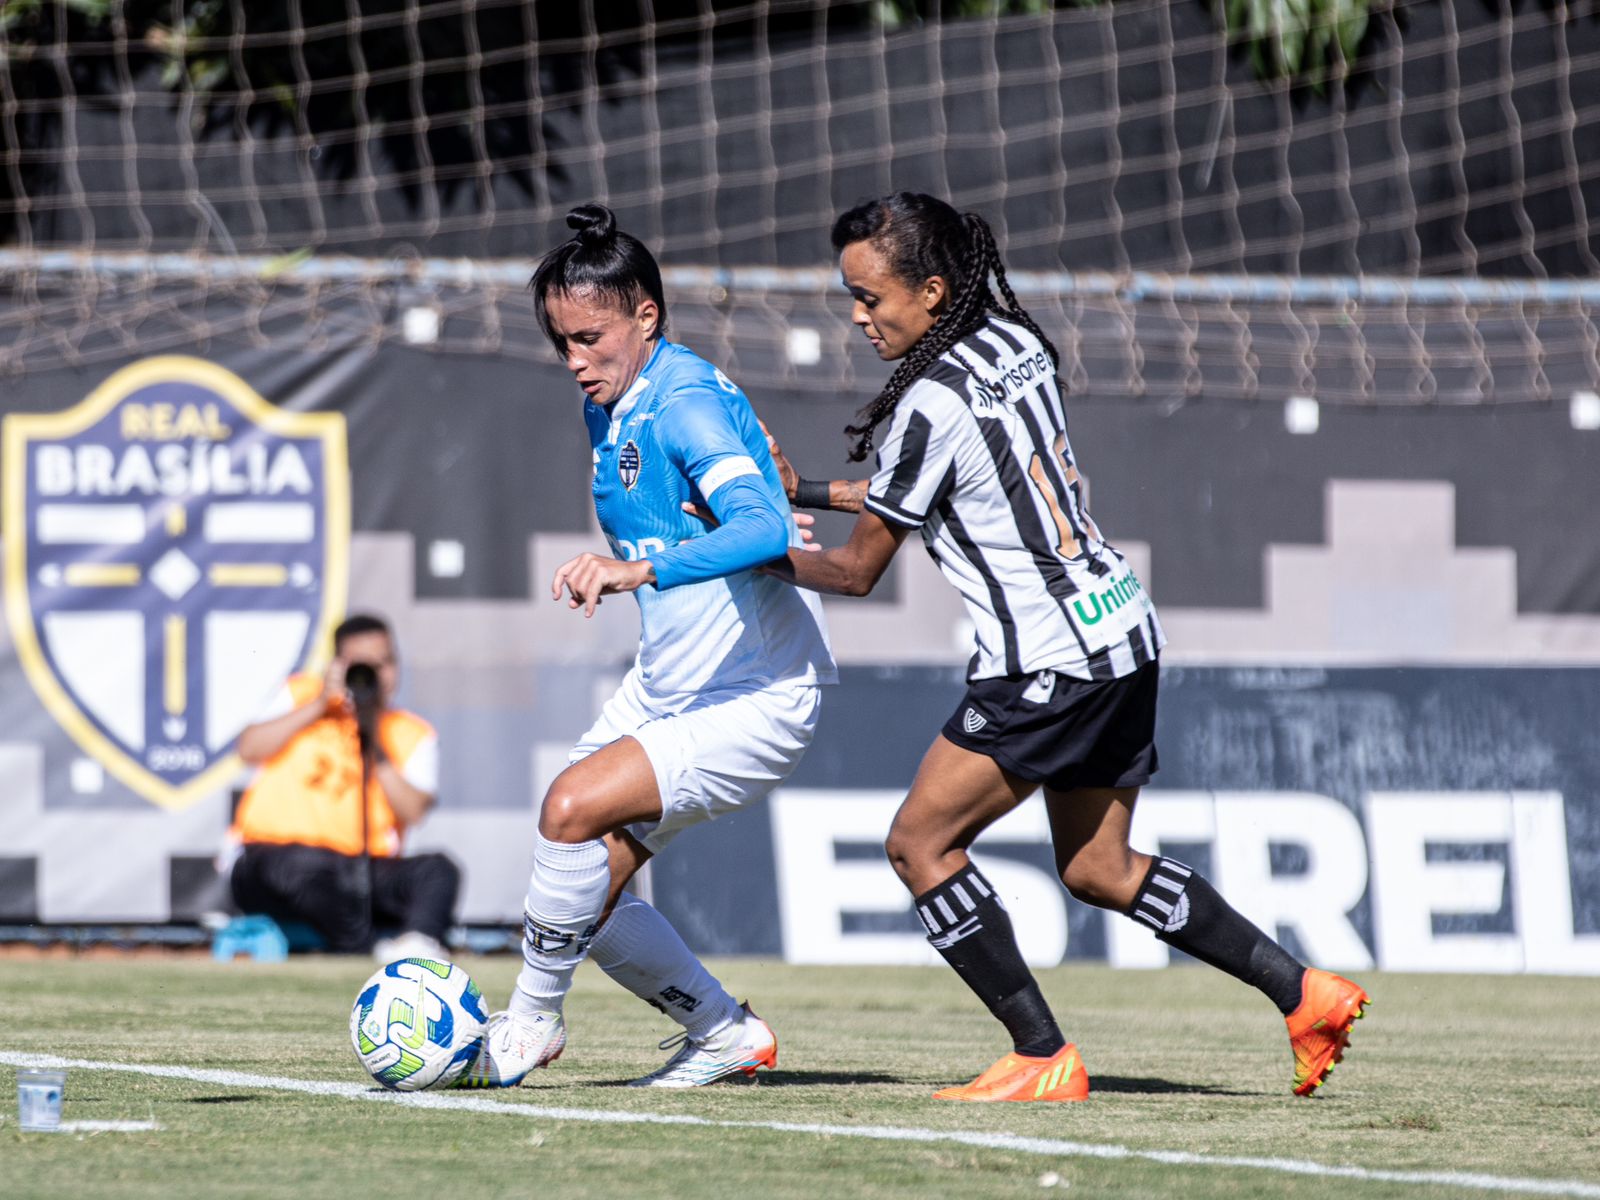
x=685 y=432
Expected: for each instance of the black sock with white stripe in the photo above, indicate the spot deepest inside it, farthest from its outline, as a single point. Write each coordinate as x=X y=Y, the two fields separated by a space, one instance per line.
x=968 y=925
x=1187 y=912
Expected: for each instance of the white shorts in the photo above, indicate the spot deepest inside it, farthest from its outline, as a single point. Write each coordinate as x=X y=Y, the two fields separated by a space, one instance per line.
x=712 y=752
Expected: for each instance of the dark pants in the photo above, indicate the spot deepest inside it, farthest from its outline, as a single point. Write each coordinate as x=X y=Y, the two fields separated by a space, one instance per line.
x=327 y=891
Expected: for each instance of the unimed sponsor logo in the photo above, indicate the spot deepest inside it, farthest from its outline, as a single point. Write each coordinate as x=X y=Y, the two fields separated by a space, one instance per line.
x=1108 y=600
x=1474 y=882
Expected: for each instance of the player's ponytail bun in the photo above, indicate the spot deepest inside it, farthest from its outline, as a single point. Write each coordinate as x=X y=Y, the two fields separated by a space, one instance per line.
x=599 y=262
x=595 y=225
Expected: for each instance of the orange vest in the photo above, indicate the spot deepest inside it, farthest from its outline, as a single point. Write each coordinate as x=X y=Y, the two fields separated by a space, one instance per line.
x=306 y=793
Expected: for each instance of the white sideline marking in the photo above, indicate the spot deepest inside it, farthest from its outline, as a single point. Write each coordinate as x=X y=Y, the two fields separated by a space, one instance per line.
x=95 y=1127
x=881 y=1133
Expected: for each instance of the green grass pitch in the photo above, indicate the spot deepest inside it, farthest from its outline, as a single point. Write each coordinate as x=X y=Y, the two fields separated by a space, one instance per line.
x=1461 y=1074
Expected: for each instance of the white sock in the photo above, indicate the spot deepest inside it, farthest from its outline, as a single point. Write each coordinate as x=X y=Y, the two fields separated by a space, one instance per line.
x=566 y=895
x=641 y=950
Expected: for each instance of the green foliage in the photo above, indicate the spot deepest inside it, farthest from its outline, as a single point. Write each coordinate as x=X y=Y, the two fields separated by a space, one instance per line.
x=1296 y=38
x=1312 y=39
x=206 y=71
x=1301 y=39
x=242 y=63
x=20 y=14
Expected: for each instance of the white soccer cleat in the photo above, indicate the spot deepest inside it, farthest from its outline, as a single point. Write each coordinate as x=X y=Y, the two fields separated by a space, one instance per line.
x=514 y=1045
x=743 y=1046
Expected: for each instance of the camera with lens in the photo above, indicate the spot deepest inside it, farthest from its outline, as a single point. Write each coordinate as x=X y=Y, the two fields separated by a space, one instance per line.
x=361 y=681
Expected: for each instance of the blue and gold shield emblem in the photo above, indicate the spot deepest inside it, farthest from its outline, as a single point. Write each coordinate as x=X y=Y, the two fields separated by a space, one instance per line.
x=175 y=547
x=628 y=465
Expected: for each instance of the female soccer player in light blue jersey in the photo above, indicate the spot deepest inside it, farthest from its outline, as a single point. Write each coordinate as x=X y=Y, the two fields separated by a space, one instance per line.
x=723 y=698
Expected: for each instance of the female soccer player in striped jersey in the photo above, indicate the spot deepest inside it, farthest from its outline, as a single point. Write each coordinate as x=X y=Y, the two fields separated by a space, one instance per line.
x=723 y=697
x=974 y=454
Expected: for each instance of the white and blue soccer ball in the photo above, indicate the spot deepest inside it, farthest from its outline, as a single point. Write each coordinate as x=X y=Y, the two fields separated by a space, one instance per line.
x=418 y=1024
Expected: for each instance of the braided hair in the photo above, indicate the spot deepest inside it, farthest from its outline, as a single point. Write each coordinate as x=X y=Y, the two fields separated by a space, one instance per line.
x=600 y=261
x=920 y=237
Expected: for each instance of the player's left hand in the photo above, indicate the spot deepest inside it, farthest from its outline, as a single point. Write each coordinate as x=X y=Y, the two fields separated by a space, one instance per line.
x=803 y=520
x=591 y=576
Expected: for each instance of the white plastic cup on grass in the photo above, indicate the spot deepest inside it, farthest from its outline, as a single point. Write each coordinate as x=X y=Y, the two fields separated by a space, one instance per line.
x=39 y=1098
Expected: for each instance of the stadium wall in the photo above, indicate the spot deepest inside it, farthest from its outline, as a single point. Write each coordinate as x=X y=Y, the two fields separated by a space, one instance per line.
x=1376 y=730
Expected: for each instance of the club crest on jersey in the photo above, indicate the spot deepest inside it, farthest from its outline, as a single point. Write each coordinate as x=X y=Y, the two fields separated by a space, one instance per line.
x=628 y=465
x=972 y=720
x=175 y=547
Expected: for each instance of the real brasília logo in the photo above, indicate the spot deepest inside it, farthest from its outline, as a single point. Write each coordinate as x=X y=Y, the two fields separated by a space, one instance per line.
x=175 y=546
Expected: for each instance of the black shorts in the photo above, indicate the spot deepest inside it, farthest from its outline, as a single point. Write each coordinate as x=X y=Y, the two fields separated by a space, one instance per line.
x=1062 y=732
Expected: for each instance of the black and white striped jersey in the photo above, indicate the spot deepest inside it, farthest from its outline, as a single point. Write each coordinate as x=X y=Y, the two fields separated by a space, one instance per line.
x=976 y=456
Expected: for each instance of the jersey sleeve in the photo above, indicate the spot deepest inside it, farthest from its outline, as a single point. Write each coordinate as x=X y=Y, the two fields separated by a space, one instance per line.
x=916 y=463
x=698 y=433
x=700 y=438
x=421 y=767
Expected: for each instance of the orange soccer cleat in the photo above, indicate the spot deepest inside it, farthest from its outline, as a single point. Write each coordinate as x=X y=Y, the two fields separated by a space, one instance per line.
x=1016 y=1077
x=1319 y=1030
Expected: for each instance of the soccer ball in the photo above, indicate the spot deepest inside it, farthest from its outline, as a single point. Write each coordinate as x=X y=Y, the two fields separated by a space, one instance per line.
x=417 y=1024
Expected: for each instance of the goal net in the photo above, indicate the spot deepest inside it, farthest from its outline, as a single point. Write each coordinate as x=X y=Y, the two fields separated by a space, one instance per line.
x=1410 y=227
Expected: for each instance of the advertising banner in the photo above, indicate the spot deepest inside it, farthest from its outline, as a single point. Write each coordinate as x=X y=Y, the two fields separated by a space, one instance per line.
x=1376 y=739
x=1416 y=820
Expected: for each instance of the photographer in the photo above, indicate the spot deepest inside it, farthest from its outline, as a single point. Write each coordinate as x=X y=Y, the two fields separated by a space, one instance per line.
x=310 y=851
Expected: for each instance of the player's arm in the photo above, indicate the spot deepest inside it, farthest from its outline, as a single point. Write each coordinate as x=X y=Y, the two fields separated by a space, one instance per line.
x=701 y=441
x=752 y=526
x=852 y=569
x=839 y=495
x=750 y=530
x=263 y=739
x=917 y=471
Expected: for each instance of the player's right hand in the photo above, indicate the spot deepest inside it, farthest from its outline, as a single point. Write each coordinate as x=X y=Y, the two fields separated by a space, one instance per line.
x=591 y=576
